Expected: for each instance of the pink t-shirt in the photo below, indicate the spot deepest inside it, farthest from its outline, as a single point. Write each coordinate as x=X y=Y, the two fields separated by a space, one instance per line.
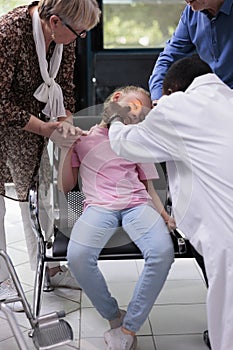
x=108 y=180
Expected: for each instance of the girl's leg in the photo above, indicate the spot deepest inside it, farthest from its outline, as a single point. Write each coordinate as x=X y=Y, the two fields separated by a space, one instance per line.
x=89 y=235
x=148 y=230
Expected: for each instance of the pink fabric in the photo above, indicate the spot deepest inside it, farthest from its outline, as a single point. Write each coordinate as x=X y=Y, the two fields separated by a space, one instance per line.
x=108 y=180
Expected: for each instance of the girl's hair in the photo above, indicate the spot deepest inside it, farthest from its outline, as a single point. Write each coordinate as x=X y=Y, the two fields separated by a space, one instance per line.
x=84 y=12
x=125 y=90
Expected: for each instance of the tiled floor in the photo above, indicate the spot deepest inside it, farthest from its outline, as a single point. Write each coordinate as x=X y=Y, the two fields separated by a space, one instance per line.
x=176 y=321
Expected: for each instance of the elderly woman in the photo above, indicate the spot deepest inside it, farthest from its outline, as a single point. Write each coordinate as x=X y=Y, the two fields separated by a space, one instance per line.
x=37 y=44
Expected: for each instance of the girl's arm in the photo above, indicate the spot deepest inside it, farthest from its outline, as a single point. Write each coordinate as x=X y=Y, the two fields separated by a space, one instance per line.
x=67 y=175
x=170 y=221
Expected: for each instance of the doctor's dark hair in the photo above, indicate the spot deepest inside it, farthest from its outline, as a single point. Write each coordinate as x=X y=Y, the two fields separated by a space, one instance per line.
x=182 y=73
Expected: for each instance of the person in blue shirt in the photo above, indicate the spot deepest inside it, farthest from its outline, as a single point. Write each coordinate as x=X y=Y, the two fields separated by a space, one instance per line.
x=205 y=28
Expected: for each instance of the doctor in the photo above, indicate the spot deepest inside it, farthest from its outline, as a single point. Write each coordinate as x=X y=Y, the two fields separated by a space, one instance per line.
x=191 y=129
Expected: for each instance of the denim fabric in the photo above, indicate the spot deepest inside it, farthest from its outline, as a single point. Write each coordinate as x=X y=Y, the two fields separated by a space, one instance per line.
x=148 y=230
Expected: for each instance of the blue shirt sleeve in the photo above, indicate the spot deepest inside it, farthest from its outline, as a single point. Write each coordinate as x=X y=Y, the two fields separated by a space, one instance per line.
x=180 y=45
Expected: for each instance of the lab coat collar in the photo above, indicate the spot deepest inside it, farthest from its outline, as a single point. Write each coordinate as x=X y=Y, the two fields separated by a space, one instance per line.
x=205 y=79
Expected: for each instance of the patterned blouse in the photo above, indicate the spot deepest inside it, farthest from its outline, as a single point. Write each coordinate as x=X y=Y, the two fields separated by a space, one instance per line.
x=21 y=151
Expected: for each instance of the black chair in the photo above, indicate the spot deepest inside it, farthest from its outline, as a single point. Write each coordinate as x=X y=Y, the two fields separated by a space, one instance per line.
x=67 y=208
x=119 y=246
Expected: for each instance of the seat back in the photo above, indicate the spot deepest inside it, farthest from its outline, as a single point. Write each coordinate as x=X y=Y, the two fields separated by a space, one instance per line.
x=71 y=205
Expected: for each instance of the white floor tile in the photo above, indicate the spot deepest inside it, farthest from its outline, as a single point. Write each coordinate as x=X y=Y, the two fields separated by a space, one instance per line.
x=21 y=319
x=145 y=329
x=19 y=245
x=17 y=256
x=184 y=269
x=11 y=343
x=13 y=219
x=180 y=342
x=92 y=344
x=14 y=232
x=145 y=343
x=6 y=331
x=178 y=319
x=25 y=274
x=85 y=302
x=119 y=270
x=68 y=293
x=52 y=302
x=122 y=291
x=182 y=292
x=92 y=324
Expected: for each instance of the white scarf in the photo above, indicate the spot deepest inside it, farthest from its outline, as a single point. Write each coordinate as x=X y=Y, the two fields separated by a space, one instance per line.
x=48 y=92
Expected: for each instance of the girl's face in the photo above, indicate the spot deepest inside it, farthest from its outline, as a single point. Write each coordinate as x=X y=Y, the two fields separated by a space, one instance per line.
x=139 y=103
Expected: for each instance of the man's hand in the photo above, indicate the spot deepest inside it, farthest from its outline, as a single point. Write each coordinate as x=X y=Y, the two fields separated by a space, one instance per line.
x=115 y=108
x=133 y=113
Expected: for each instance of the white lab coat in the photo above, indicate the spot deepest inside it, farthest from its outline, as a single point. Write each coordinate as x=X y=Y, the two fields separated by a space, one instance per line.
x=193 y=133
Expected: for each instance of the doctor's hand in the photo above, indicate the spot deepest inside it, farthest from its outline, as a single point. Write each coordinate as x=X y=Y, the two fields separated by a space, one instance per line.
x=114 y=110
x=132 y=113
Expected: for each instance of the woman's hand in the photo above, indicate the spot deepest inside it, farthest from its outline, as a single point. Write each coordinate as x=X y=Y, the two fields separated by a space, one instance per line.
x=66 y=134
x=67 y=128
x=39 y=127
x=47 y=128
x=62 y=133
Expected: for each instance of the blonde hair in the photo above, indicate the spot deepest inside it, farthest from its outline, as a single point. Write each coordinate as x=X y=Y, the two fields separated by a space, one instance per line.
x=84 y=12
x=126 y=90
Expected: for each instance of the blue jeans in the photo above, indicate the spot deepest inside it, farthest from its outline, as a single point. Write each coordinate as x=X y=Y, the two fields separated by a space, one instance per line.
x=147 y=229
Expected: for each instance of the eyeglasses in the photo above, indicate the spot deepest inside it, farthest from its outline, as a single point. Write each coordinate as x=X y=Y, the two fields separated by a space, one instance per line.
x=81 y=35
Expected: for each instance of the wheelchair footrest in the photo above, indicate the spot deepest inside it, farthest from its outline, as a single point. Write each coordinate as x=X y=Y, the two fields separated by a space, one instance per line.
x=51 y=332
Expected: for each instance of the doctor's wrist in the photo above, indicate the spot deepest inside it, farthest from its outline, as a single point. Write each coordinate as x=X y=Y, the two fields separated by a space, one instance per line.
x=115 y=118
